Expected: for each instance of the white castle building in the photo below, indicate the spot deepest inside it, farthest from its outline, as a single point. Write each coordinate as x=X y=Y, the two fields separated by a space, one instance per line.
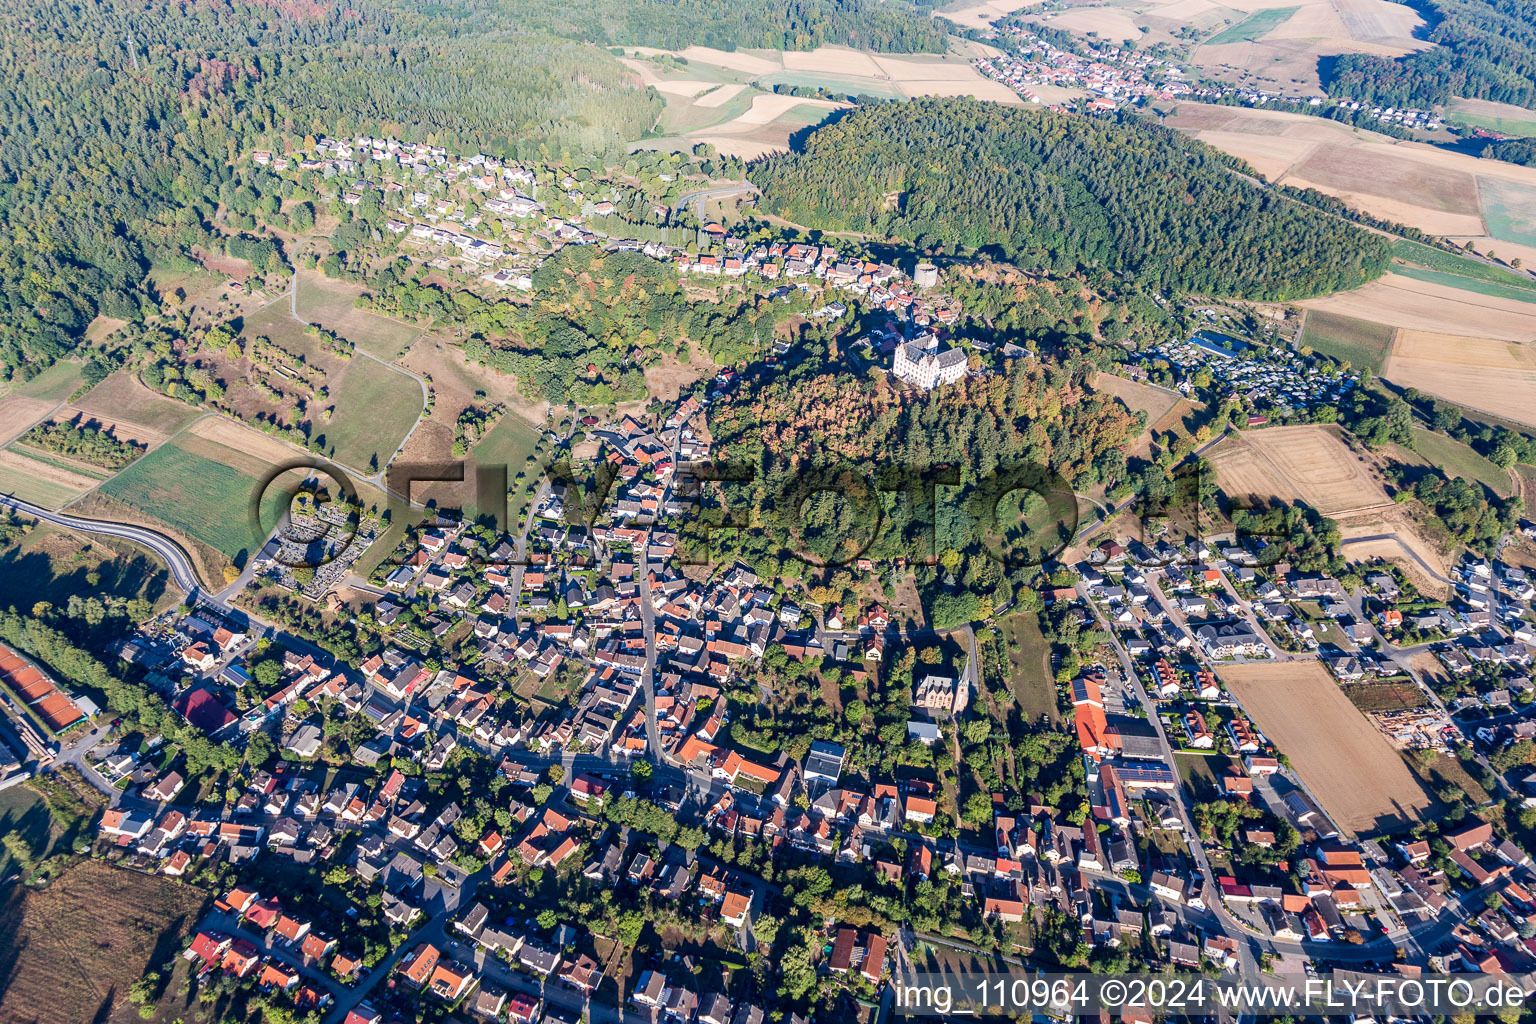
x=920 y=363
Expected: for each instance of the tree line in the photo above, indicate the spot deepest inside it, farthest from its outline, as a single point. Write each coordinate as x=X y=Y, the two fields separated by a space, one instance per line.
x=1058 y=192
x=1484 y=49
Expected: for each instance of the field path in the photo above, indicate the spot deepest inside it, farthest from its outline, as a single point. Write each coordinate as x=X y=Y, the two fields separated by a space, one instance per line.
x=377 y=479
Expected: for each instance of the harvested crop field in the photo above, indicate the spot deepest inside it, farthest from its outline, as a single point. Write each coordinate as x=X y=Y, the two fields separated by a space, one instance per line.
x=42 y=483
x=262 y=449
x=1436 y=190
x=1486 y=374
x=122 y=400
x=768 y=107
x=72 y=950
x=1107 y=22
x=720 y=95
x=980 y=16
x=1308 y=464
x=1337 y=752
x=17 y=415
x=1434 y=307
x=750 y=122
x=1279 y=43
x=1360 y=343
x=1380 y=172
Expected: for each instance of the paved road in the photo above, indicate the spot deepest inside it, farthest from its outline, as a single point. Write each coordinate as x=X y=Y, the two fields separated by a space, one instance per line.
x=718 y=192
x=169 y=551
x=1406 y=550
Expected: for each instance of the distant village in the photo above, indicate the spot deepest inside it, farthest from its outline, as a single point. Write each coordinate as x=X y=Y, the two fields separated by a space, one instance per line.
x=1115 y=77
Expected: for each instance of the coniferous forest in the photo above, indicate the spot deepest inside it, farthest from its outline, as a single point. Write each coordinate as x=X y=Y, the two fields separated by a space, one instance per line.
x=1056 y=191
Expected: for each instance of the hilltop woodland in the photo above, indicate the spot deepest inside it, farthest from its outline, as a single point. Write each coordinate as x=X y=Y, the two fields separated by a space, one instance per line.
x=1055 y=192
x=120 y=124
x=809 y=438
x=1484 y=49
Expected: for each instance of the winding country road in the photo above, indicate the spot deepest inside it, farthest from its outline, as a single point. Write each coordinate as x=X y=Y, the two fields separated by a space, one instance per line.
x=172 y=553
x=1414 y=555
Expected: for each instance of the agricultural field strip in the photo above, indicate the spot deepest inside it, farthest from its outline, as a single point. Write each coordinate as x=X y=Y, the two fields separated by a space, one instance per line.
x=1340 y=755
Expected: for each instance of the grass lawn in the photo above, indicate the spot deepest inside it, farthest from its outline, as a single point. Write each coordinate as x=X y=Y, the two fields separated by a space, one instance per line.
x=1359 y=342
x=1029 y=667
x=207 y=500
x=376 y=406
x=1201 y=772
x=54 y=384
x=1458 y=459
x=1254 y=27
x=509 y=444
x=191 y=281
x=23 y=814
x=1509 y=209
x=282 y=330
x=1502 y=125
x=1436 y=265
x=122 y=397
x=330 y=304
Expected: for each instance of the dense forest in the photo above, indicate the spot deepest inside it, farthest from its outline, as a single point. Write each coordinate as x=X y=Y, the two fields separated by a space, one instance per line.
x=887 y=25
x=1485 y=49
x=1056 y=192
x=118 y=125
x=810 y=441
